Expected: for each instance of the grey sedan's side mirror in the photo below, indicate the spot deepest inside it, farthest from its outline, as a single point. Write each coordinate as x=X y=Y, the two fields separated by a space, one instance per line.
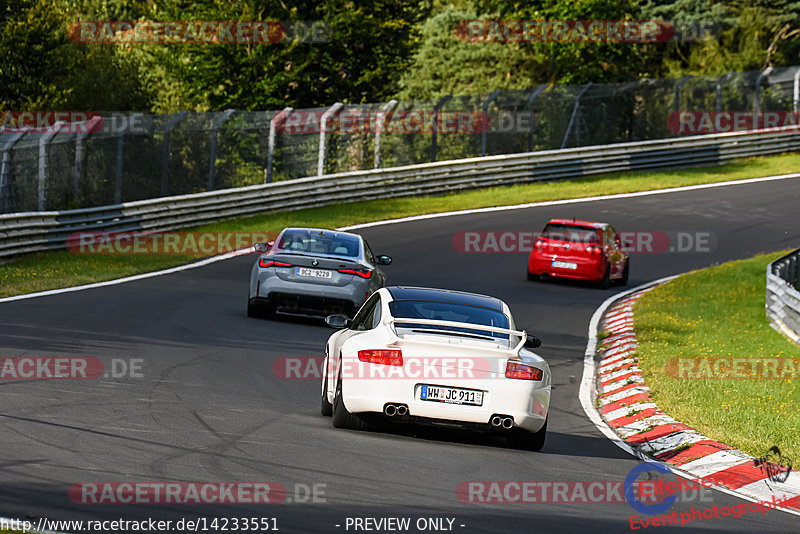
x=263 y=247
x=532 y=342
x=384 y=260
x=337 y=321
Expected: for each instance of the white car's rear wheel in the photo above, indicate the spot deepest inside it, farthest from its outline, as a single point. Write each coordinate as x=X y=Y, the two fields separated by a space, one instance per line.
x=325 y=407
x=531 y=441
x=341 y=417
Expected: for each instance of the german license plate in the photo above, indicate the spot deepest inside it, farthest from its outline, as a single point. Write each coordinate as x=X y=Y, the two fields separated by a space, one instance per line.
x=564 y=265
x=451 y=395
x=314 y=273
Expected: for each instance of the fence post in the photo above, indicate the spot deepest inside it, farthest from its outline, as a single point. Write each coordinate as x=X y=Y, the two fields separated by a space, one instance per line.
x=88 y=127
x=44 y=140
x=273 y=123
x=435 y=129
x=120 y=154
x=214 y=130
x=676 y=103
x=165 y=150
x=387 y=107
x=576 y=110
x=485 y=120
x=722 y=80
x=323 y=123
x=764 y=73
x=531 y=98
x=796 y=92
x=7 y=204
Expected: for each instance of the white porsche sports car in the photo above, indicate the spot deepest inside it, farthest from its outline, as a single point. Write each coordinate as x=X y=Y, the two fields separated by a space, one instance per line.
x=438 y=357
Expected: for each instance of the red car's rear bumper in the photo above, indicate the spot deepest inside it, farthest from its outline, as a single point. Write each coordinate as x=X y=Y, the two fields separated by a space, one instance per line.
x=585 y=268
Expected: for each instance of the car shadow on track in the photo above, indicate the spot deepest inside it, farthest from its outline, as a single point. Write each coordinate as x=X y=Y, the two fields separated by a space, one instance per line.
x=557 y=443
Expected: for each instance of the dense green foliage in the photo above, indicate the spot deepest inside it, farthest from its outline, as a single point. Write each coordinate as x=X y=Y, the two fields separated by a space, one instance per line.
x=378 y=49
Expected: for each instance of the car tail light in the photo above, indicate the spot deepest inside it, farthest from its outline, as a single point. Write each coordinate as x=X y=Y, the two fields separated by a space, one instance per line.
x=538 y=244
x=523 y=371
x=382 y=356
x=263 y=262
x=363 y=273
x=594 y=249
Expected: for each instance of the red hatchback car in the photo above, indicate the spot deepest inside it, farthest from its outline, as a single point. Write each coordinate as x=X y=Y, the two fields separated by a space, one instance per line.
x=580 y=250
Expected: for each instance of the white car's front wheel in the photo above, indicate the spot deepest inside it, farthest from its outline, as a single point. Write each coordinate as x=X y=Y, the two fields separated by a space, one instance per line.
x=341 y=417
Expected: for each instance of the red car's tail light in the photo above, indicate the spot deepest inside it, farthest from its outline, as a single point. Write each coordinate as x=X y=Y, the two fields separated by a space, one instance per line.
x=382 y=356
x=594 y=249
x=363 y=273
x=523 y=371
x=538 y=244
x=263 y=262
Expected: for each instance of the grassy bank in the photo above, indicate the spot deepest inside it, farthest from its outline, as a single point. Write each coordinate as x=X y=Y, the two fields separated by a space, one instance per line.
x=719 y=313
x=39 y=272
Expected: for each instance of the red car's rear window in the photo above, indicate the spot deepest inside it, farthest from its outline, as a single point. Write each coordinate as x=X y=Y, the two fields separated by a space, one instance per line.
x=571 y=233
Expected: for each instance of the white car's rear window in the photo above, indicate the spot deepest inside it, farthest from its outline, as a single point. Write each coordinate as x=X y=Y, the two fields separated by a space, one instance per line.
x=448 y=311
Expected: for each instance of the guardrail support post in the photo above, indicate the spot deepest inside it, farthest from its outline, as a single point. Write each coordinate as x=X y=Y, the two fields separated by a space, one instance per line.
x=722 y=80
x=323 y=124
x=214 y=131
x=435 y=128
x=273 y=124
x=764 y=73
x=6 y=191
x=575 y=111
x=387 y=107
x=531 y=98
x=485 y=120
x=44 y=140
x=165 y=150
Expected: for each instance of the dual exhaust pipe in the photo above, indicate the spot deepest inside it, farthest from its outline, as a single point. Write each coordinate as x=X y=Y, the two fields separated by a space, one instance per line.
x=391 y=410
x=505 y=421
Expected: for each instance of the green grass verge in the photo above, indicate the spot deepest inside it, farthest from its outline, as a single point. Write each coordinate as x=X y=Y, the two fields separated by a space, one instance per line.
x=718 y=312
x=42 y=271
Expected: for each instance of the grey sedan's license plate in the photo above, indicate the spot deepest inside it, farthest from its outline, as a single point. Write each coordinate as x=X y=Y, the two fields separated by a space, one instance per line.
x=451 y=395
x=314 y=273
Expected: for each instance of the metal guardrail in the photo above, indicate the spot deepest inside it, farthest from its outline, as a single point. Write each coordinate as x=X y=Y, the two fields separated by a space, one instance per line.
x=36 y=231
x=783 y=298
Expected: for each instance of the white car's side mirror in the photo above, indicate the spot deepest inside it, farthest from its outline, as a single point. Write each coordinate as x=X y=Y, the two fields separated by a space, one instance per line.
x=337 y=321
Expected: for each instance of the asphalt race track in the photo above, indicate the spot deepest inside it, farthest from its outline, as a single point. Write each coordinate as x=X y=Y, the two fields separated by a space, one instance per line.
x=208 y=407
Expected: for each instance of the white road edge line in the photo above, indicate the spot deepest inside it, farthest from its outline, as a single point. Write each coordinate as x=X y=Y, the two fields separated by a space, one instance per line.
x=240 y=252
x=586 y=391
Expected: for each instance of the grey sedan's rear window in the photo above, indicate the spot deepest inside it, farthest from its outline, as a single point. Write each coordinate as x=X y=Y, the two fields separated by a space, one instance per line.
x=319 y=243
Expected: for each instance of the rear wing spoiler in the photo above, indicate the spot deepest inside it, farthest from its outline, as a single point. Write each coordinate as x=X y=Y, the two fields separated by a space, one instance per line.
x=468 y=326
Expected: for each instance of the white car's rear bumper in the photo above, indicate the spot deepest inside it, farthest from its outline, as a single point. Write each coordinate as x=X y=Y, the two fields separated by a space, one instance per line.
x=527 y=402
